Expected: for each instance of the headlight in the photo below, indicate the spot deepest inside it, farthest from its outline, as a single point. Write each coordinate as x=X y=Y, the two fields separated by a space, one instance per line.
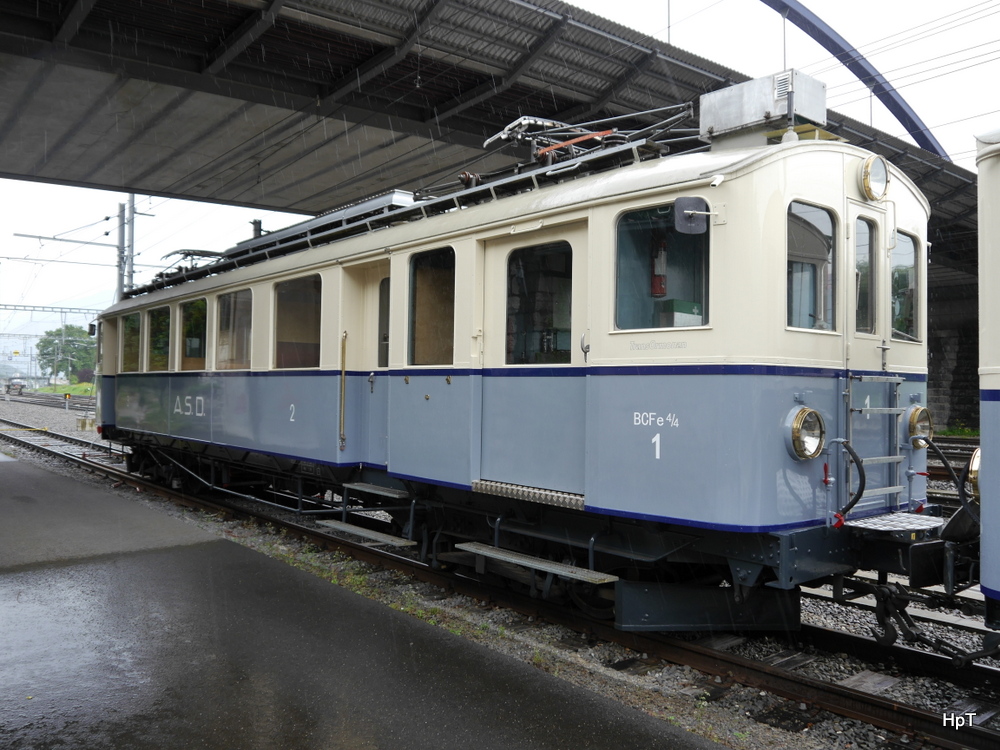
x=807 y=433
x=973 y=477
x=920 y=423
x=875 y=177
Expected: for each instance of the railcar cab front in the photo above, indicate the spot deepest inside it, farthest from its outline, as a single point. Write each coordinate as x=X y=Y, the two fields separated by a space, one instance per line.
x=801 y=291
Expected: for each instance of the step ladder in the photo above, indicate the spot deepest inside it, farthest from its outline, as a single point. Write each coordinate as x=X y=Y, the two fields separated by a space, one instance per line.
x=537 y=564
x=403 y=497
x=893 y=459
x=375 y=536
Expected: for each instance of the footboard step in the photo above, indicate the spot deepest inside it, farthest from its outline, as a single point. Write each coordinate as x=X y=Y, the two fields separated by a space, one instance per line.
x=537 y=563
x=376 y=489
x=375 y=536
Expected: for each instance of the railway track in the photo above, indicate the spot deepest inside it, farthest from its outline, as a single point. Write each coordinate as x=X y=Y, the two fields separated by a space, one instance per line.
x=55 y=400
x=77 y=450
x=781 y=673
x=957 y=450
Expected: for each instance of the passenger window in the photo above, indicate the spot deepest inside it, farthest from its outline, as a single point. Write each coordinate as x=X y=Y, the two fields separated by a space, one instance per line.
x=130 y=342
x=811 y=268
x=864 y=276
x=232 y=351
x=432 y=308
x=297 y=322
x=539 y=296
x=904 y=289
x=193 y=334
x=661 y=274
x=383 y=323
x=159 y=339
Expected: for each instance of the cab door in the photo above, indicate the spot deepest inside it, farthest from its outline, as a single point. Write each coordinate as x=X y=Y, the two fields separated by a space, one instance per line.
x=534 y=384
x=377 y=329
x=872 y=383
x=364 y=340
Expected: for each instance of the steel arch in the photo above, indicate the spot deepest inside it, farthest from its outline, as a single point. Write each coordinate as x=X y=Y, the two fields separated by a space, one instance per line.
x=834 y=43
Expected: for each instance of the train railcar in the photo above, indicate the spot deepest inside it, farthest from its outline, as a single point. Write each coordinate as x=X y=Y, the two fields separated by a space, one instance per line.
x=989 y=365
x=670 y=388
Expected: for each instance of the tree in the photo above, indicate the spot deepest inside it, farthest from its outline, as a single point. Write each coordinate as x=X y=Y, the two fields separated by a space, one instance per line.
x=66 y=350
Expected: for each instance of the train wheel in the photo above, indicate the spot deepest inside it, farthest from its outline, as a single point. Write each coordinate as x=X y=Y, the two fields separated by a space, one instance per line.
x=588 y=600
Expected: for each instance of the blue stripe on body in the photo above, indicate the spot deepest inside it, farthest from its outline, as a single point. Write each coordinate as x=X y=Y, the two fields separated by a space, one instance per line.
x=531 y=371
x=732 y=527
x=425 y=480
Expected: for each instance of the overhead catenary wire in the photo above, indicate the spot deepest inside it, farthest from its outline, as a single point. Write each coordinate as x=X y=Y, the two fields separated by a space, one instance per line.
x=870 y=50
x=918 y=71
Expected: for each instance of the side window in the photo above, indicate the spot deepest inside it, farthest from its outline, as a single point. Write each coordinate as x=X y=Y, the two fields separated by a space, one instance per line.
x=193 y=334
x=159 y=338
x=297 y=322
x=432 y=308
x=905 y=304
x=232 y=351
x=661 y=274
x=539 y=293
x=130 y=328
x=811 y=268
x=864 y=276
x=383 y=323
x=100 y=347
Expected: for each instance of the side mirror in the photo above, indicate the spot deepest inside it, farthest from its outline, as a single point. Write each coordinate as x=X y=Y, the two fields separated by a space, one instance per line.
x=691 y=215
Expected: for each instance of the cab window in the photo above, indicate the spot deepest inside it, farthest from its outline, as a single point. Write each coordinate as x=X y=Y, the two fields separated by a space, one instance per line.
x=904 y=289
x=661 y=274
x=811 y=268
x=864 y=276
x=539 y=295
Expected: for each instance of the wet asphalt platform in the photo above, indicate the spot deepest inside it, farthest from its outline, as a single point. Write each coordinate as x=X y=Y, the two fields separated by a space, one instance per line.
x=122 y=627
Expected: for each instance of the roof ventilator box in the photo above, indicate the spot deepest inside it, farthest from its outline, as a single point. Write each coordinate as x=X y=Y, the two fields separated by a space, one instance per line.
x=752 y=108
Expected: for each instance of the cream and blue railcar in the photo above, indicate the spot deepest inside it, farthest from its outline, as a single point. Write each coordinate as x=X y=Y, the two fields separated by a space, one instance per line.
x=666 y=373
x=988 y=163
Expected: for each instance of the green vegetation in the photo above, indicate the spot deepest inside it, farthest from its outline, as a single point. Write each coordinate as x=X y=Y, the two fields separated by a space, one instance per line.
x=958 y=429
x=69 y=351
x=78 y=389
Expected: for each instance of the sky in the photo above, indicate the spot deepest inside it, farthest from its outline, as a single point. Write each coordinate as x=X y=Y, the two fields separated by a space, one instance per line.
x=945 y=61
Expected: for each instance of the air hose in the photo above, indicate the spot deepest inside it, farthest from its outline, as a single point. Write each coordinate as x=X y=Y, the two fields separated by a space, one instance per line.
x=862 y=481
x=959 y=483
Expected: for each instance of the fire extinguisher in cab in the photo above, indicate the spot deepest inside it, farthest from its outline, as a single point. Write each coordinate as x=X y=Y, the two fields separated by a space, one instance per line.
x=658 y=276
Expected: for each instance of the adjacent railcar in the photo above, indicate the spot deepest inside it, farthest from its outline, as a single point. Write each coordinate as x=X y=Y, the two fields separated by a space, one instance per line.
x=670 y=388
x=989 y=365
